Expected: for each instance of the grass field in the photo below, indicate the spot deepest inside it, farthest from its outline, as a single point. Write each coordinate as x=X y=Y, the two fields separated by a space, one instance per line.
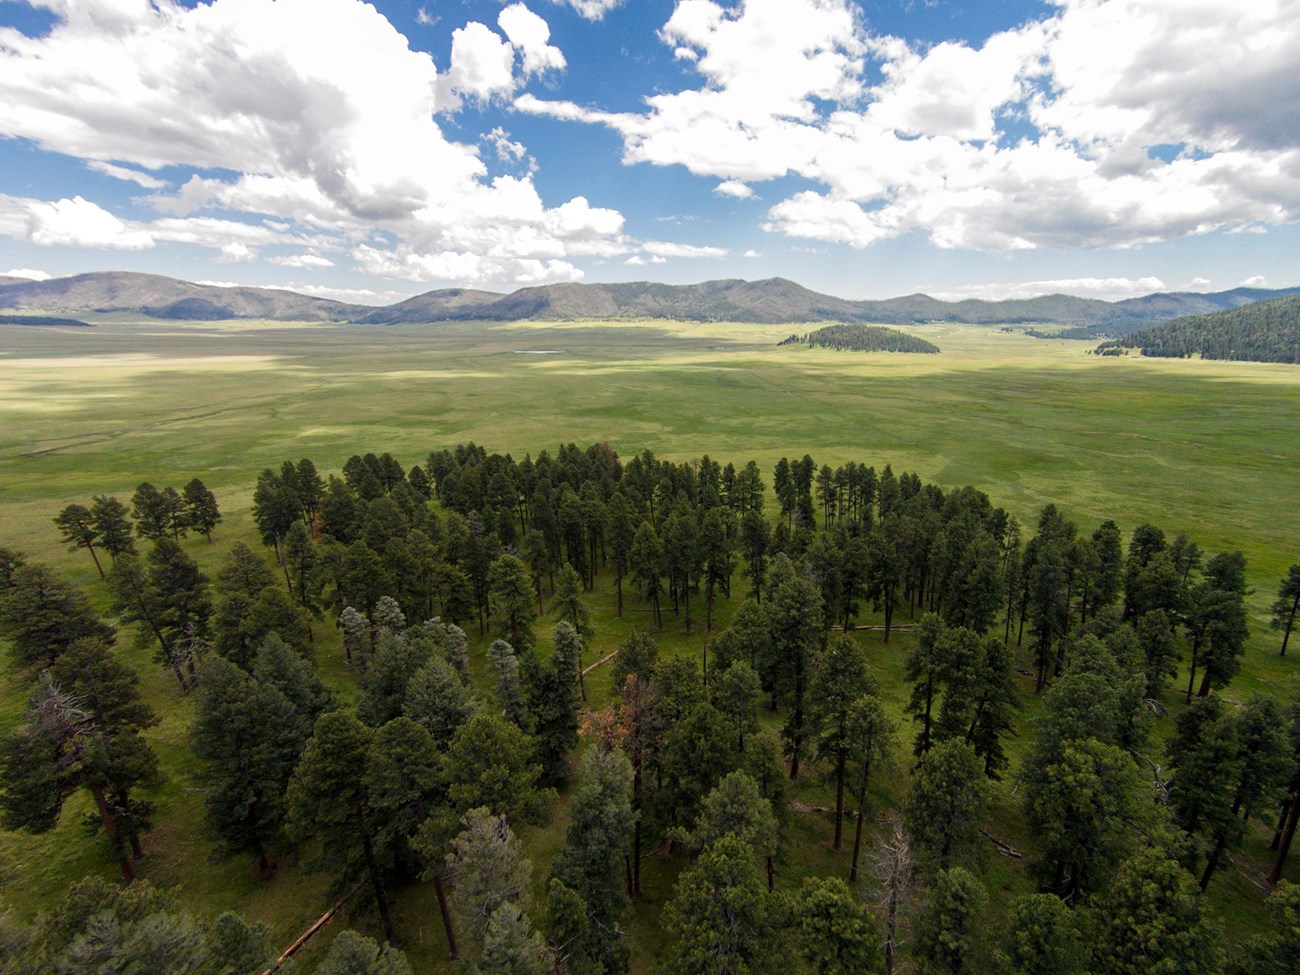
x=1210 y=449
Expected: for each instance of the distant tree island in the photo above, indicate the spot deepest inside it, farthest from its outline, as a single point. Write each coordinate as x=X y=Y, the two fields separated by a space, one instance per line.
x=862 y=338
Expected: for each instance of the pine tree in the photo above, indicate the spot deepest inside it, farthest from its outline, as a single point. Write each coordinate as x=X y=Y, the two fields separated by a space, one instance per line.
x=557 y=701
x=832 y=931
x=490 y=763
x=839 y=681
x=1042 y=938
x=327 y=799
x=278 y=666
x=201 y=511
x=113 y=526
x=438 y=699
x=1287 y=606
x=513 y=607
x=1150 y=921
x=870 y=734
x=487 y=861
x=944 y=807
x=509 y=685
x=736 y=807
x=722 y=915
x=949 y=929
x=77 y=525
x=42 y=616
x=594 y=861
x=355 y=954
x=250 y=737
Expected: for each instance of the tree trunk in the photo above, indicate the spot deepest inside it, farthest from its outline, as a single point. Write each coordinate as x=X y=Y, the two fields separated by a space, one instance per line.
x=1290 y=621
x=1281 y=824
x=618 y=581
x=452 y=953
x=91 y=549
x=857 y=830
x=636 y=856
x=1191 y=678
x=381 y=896
x=627 y=870
x=1288 y=834
x=110 y=827
x=1220 y=841
x=839 y=802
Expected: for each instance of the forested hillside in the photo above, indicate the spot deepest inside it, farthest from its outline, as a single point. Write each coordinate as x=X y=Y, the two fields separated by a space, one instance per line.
x=1267 y=331
x=845 y=779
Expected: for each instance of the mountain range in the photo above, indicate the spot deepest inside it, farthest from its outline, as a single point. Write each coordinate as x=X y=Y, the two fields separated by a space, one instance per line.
x=774 y=301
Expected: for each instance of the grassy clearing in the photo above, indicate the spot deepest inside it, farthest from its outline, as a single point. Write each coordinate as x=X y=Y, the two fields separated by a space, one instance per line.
x=1206 y=448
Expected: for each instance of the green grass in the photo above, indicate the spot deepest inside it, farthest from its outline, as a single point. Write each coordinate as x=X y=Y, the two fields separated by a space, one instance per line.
x=1210 y=449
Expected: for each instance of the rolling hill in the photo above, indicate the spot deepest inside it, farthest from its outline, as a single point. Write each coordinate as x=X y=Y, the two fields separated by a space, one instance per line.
x=770 y=301
x=168 y=298
x=1266 y=331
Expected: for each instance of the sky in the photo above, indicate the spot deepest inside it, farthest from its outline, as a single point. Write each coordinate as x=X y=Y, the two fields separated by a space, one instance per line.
x=864 y=148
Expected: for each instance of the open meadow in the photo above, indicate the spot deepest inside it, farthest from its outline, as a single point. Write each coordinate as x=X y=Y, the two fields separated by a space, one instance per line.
x=1211 y=449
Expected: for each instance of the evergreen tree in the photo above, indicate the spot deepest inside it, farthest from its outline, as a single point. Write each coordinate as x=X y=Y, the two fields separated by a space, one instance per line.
x=438 y=699
x=737 y=807
x=568 y=598
x=77 y=526
x=278 y=666
x=795 y=623
x=648 y=563
x=355 y=954
x=1150 y=921
x=327 y=799
x=949 y=929
x=838 y=682
x=870 y=734
x=924 y=667
x=201 y=511
x=42 y=616
x=594 y=861
x=490 y=870
x=384 y=682
x=305 y=569
x=250 y=736
x=514 y=611
x=735 y=693
x=112 y=524
x=832 y=931
x=557 y=702
x=490 y=763
x=1042 y=938
x=180 y=592
x=508 y=684
x=1273 y=953
x=722 y=916
x=356 y=633
x=1287 y=605
x=945 y=805
x=512 y=947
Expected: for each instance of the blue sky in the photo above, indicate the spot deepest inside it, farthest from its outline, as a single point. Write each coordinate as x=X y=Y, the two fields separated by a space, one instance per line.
x=866 y=149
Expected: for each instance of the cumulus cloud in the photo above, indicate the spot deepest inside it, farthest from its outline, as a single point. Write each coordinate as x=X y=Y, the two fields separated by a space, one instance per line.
x=323 y=114
x=1108 y=124
x=31 y=274
x=735 y=189
x=530 y=34
x=79 y=223
x=1255 y=281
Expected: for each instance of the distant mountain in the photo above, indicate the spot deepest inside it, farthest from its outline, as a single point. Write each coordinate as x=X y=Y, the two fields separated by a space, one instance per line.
x=10 y=279
x=1266 y=331
x=771 y=301
x=160 y=297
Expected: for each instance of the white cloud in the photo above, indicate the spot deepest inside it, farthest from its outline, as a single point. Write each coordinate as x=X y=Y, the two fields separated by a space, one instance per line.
x=1197 y=284
x=356 y=296
x=320 y=109
x=530 y=33
x=1107 y=289
x=734 y=188
x=301 y=260
x=1255 y=281
x=424 y=18
x=1108 y=124
x=236 y=252
x=482 y=65
x=636 y=260
x=507 y=150
x=31 y=274
x=80 y=223
x=591 y=9
x=129 y=175
x=752 y=254
x=661 y=248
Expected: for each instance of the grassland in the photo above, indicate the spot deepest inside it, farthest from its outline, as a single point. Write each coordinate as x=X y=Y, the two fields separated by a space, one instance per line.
x=1211 y=449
